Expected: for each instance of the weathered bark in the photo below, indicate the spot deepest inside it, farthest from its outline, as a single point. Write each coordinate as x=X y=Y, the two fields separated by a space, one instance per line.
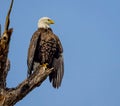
x=4 y=48
x=10 y=96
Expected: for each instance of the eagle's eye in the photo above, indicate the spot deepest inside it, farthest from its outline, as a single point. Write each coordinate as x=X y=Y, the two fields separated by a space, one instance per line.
x=48 y=19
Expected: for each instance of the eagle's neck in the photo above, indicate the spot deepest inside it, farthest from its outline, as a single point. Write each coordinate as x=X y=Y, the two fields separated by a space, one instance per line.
x=44 y=29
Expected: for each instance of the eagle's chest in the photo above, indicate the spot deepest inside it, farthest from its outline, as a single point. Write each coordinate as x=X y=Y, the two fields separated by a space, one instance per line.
x=48 y=42
x=47 y=48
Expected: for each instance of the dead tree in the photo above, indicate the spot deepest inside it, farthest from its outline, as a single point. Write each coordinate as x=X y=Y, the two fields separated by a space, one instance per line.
x=10 y=96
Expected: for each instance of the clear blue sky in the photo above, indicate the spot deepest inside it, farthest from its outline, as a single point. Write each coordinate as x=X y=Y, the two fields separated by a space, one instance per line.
x=90 y=33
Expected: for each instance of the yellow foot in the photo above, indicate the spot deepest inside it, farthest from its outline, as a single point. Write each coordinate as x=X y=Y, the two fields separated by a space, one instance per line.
x=44 y=65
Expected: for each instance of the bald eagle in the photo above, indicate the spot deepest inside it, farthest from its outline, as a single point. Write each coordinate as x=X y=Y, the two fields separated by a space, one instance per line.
x=46 y=48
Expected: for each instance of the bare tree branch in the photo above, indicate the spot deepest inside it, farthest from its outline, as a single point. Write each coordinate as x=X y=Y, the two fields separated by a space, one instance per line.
x=7 y=22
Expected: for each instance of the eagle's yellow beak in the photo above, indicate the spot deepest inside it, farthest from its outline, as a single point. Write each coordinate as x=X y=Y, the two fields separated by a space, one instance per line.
x=51 y=22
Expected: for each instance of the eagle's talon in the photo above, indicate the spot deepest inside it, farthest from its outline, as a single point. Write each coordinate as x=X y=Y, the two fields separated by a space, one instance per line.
x=44 y=66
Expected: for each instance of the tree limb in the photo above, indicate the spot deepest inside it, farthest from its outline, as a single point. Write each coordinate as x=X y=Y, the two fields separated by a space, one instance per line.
x=18 y=93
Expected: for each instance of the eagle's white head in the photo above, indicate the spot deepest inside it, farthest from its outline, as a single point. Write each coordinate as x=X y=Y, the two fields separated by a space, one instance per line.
x=45 y=22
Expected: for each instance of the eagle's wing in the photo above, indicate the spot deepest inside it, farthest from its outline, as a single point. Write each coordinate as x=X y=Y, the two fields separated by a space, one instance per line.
x=58 y=64
x=31 y=51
